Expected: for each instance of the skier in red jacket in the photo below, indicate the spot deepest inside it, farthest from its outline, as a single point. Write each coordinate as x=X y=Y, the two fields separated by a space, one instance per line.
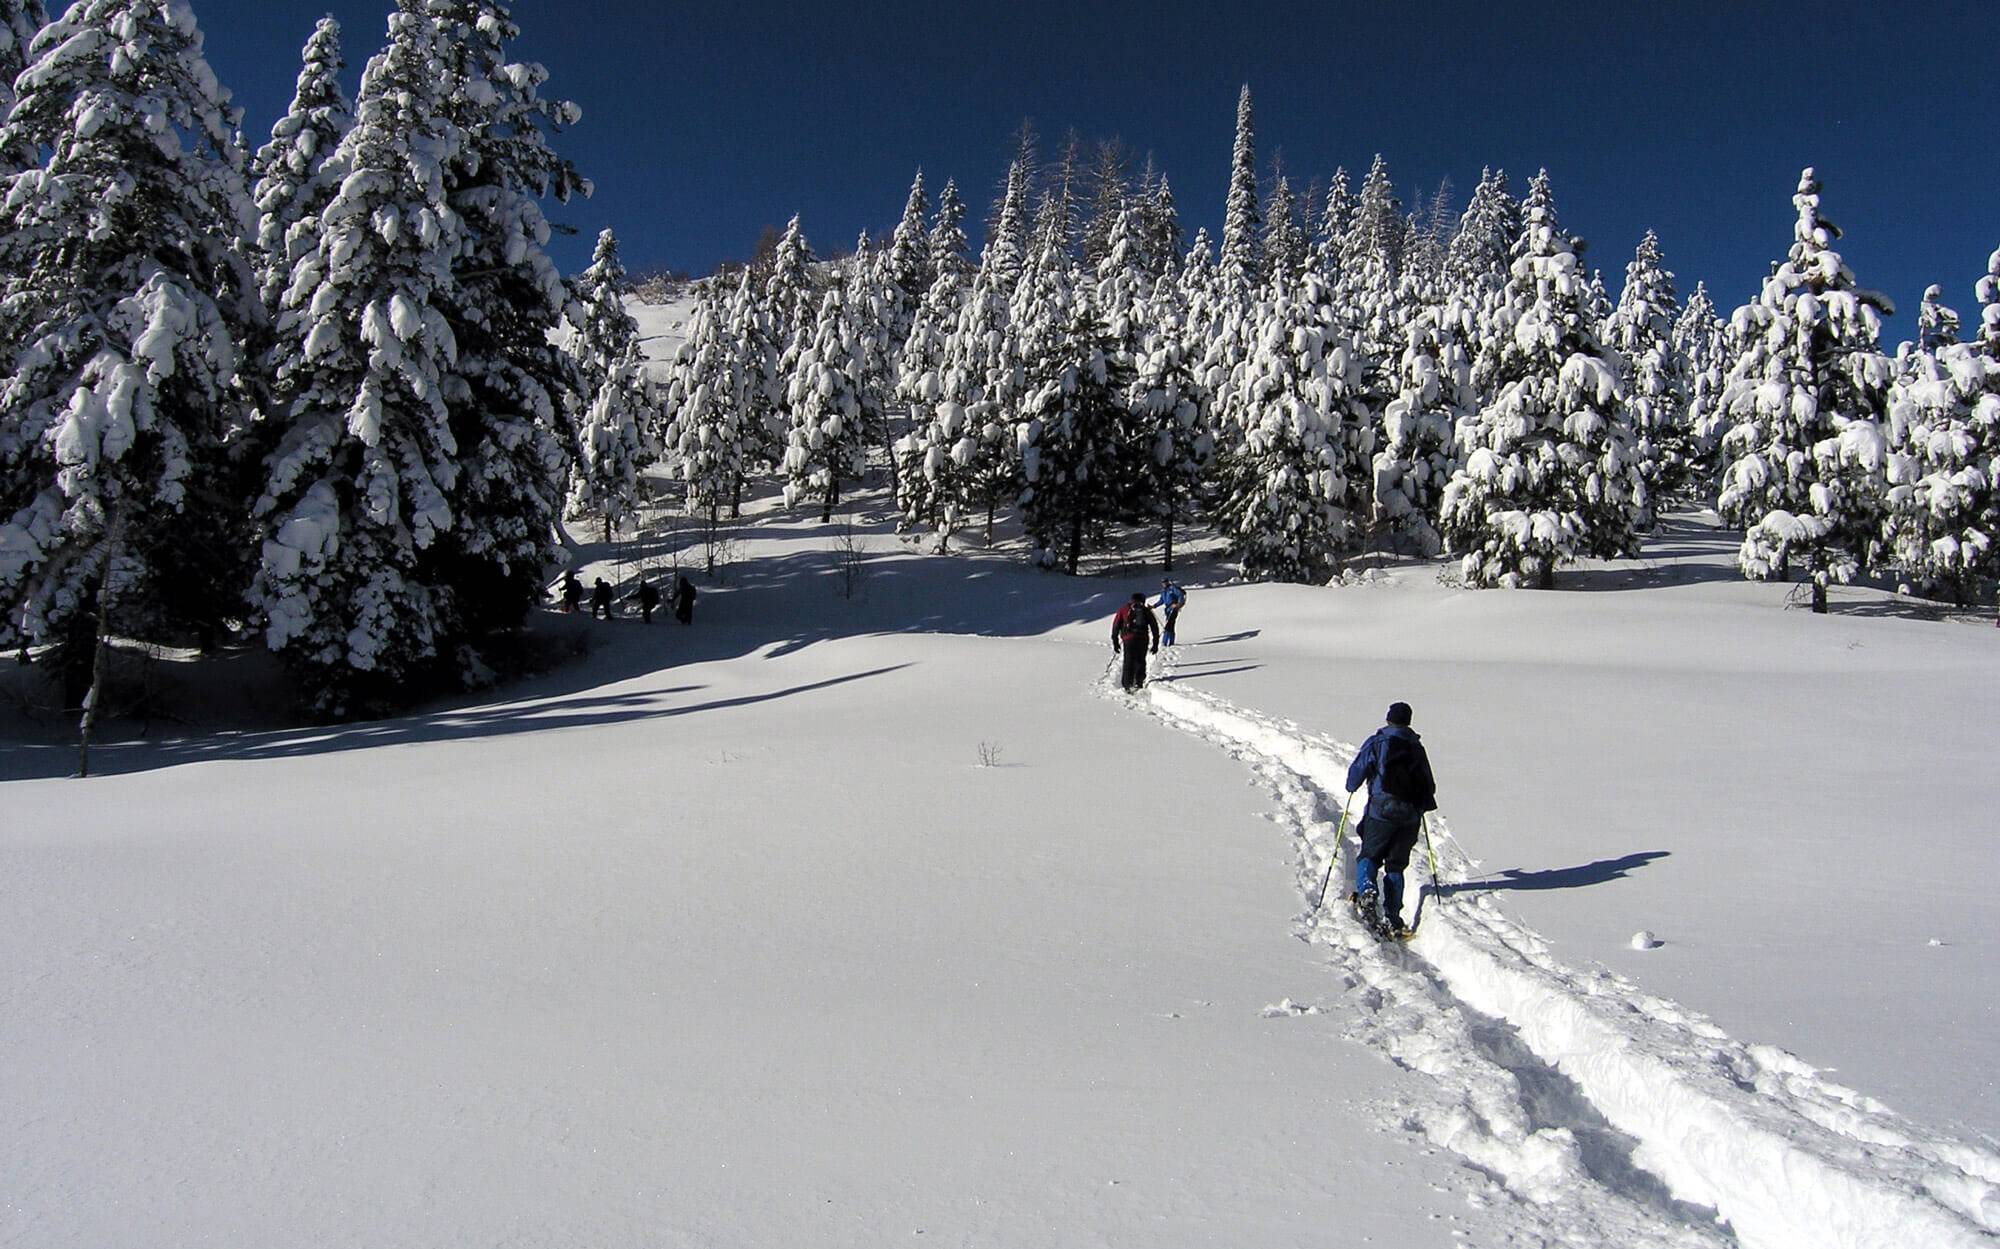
x=1132 y=629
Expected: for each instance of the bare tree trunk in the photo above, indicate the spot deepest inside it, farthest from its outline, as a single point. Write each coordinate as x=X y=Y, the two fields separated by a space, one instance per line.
x=1169 y=566
x=713 y=505
x=1075 y=541
x=1819 y=597
x=98 y=663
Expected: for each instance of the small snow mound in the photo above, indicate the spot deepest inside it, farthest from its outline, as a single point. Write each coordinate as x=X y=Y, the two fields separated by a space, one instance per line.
x=1935 y=942
x=1644 y=940
x=1288 y=1009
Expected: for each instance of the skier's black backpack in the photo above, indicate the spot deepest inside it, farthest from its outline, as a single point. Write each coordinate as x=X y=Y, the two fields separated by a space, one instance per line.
x=1133 y=631
x=1402 y=778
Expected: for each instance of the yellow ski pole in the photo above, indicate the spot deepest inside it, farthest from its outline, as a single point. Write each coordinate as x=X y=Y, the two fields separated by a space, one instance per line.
x=1431 y=852
x=1338 y=835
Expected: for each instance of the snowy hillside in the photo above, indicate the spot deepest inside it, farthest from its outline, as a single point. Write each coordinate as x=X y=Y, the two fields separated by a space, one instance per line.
x=883 y=919
x=662 y=328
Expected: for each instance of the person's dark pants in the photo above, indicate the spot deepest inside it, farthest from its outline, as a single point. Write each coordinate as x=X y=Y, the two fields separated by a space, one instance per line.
x=1167 y=634
x=1134 y=674
x=647 y=612
x=1386 y=846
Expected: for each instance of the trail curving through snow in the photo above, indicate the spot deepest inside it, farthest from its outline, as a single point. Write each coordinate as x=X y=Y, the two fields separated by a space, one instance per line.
x=1611 y=1115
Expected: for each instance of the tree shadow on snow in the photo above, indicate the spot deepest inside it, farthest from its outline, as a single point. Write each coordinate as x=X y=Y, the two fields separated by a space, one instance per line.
x=567 y=712
x=1597 y=873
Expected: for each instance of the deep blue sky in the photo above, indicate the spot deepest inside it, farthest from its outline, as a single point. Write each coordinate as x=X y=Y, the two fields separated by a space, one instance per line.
x=702 y=123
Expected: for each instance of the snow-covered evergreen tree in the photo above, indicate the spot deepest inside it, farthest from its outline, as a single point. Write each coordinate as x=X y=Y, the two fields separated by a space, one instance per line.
x=791 y=294
x=1699 y=346
x=508 y=389
x=1642 y=332
x=1944 y=471
x=1286 y=250
x=1481 y=249
x=1434 y=397
x=358 y=490
x=920 y=453
x=1164 y=240
x=1110 y=198
x=960 y=455
x=907 y=269
x=710 y=433
x=1007 y=245
x=1171 y=403
x=758 y=387
x=874 y=307
x=946 y=246
x=127 y=295
x=1059 y=213
x=1547 y=469
x=1427 y=234
x=612 y=442
x=1335 y=219
x=1369 y=293
x=1076 y=462
x=1807 y=393
x=827 y=442
x=1242 y=261
x=1287 y=478
x=20 y=22
x=292 y=182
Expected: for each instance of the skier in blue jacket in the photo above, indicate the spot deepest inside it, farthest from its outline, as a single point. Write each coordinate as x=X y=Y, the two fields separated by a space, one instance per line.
x=1172 y=599
x=1397 y=771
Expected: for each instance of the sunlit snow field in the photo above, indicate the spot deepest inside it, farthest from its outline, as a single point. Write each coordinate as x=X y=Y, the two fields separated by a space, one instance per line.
x=862 y=920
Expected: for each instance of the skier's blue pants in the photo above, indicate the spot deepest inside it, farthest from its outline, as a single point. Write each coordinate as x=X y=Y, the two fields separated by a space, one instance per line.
x=1385 y=847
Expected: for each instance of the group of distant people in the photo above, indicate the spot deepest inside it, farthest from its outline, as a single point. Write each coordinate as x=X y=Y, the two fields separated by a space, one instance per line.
x=646 y=593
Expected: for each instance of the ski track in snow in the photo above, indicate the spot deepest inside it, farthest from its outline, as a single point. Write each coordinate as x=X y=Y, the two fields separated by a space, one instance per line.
x=1612 y=1116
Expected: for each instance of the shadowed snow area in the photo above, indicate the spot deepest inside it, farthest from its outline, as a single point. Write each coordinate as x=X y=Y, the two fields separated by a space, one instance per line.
x=834 y=921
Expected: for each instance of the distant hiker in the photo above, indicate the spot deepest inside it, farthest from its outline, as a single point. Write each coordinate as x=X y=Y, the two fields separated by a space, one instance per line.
x=600 y=600
x=684 y=600
x=1131 y=629
x=572 y=591
x=1172 y=599
x=649 y=598
x=1397 y=771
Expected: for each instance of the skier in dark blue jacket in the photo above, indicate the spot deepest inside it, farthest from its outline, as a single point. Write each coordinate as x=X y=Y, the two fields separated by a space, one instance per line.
x=1397 y=771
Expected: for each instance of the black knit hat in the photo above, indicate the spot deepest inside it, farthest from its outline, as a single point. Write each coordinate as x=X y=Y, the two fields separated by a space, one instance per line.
x=1399 y=713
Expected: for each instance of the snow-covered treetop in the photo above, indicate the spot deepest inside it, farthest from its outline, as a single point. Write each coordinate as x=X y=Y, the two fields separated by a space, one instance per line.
x=1285 y=249
x=1164 y=239
x=1647 y=304
x=1937 y=325
x=142 y=144
x=318 y=117
x=1242 y=263
x=293 y=178
x=908 y=262
x=510 y=140
x=1007 y=248
x=946 y=246
x=1376 y=231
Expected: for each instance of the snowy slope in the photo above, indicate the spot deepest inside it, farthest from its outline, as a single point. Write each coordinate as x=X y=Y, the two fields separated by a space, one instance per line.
x=725 y=936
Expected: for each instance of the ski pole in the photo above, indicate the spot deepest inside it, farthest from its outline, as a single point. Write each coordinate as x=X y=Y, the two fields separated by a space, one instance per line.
x=1430 y=851
x=1334 y=862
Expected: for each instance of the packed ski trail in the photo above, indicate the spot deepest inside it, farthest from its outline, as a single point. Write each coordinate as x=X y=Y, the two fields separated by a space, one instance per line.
x=1618 y=1117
